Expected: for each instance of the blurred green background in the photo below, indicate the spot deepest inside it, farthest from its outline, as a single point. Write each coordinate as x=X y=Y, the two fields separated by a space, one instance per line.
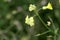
x=12 y=19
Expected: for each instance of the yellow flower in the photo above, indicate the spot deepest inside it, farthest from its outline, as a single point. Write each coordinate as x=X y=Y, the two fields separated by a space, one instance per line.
x=32 y=7
x=29 y=21
x=49 y=6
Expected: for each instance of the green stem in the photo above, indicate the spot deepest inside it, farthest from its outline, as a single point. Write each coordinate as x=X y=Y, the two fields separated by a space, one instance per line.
x=43 y=33
x=41 y=19
x=54 y=36
x=54 y=28
x=52 y=23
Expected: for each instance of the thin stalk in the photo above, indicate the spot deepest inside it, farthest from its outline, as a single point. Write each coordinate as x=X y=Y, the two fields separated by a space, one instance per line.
x=52 y=23
x=43 y=33
x=54 y=36
x=54 y=28
x=41 y=20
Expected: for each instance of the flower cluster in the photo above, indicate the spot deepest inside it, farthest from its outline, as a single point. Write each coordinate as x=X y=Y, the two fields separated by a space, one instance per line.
x=30 y=20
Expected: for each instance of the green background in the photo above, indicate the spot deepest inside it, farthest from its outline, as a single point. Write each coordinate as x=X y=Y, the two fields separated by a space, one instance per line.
x=13 y=27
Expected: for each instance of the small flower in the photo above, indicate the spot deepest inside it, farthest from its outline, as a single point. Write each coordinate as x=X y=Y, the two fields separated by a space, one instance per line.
x=48 y=23
x=29 y=21
x=49 y=6
x=32 y=7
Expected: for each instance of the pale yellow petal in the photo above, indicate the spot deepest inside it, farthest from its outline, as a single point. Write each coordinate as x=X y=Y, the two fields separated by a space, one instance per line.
x=32 y=7
x=49 y=6
x=26 y=19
